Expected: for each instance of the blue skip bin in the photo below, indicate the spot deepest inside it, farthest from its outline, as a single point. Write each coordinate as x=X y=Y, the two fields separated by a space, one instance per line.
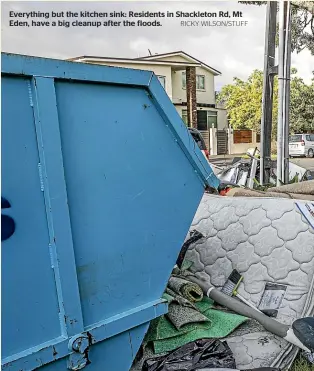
x=100 y=182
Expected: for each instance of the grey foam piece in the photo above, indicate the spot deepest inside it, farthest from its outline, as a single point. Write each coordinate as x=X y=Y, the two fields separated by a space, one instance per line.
x=266 y=240
x=302 y=188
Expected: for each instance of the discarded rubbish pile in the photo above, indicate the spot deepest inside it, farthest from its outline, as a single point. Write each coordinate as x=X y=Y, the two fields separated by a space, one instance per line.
x=245 y=172
x=187 y=337
x=243 y=285
x=269 y=242
x=191 y=317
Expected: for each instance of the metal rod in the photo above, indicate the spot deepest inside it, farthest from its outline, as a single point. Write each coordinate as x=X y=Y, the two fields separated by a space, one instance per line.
x=267 y=105
x=250 y=182
x=286 y=121
x=281 y=53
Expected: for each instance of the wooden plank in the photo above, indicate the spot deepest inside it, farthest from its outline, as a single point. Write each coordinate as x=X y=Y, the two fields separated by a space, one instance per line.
x=242 y=136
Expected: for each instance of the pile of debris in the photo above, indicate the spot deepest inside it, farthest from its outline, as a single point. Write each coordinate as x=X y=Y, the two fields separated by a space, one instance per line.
x=244 y=172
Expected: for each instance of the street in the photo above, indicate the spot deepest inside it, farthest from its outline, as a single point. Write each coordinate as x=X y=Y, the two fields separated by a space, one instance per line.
x=307 y=163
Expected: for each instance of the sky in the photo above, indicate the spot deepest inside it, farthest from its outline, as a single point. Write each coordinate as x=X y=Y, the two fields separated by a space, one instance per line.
x=235 y=51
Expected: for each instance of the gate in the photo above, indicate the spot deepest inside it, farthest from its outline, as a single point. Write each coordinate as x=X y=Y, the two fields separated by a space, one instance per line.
x=206 y=137
x=222 y=142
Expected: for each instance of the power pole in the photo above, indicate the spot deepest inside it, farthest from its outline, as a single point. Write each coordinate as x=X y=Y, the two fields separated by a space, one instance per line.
x=267 y=106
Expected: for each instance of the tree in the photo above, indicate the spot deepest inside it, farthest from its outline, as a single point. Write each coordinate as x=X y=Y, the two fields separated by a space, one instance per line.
x=302 y=105
x=302 y=24
x=243 y=101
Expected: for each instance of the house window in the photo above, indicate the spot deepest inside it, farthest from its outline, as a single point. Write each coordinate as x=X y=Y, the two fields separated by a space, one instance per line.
x=162 y=80
x=205 y=119
x=183 y=80
x=200 y=81
x=185 y=116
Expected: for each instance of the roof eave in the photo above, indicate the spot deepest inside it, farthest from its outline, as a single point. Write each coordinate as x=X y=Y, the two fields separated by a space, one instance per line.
x=132 y=61
x=151 y=61
x=183 y=54
x=157 y=56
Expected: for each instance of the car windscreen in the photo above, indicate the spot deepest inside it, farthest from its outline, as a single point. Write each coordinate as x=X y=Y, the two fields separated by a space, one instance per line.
x=295 y=138
x=198 y=141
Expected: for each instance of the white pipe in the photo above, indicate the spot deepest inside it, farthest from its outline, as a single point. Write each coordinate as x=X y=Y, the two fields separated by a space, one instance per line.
x=286 y=121
x=280 y=92
x=250 y=182
x=271 y=325
x=247 y=302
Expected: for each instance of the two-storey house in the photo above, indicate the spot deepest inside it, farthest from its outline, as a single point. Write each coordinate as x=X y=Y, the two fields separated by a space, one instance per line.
x=189 y=83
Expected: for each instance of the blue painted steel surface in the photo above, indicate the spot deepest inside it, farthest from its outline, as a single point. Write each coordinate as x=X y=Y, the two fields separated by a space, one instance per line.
x=103 y=180
x=27 y=278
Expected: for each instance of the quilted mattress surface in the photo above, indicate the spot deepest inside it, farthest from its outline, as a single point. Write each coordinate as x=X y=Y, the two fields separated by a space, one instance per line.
x=269 y=242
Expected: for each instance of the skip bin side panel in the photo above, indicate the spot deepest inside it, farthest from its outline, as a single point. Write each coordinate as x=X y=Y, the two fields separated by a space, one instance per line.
x=29 y=300
x=132 y=194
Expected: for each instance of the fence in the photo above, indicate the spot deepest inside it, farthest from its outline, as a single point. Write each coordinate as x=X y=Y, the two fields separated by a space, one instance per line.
x=242 y=136
x=230 y=141
x=206 y=137
x=241 y=140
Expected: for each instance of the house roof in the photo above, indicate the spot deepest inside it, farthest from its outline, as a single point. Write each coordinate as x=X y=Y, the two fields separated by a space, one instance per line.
x=129 y=60
x=152 y=59
x=181 y=54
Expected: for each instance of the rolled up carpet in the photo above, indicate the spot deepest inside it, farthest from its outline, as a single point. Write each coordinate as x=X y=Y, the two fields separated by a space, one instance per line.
x=180 y=316
x=185 y=288
x=173 y=297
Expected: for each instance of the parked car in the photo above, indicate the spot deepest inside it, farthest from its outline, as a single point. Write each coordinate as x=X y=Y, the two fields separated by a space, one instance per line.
x=301 y=145
x=197 y=136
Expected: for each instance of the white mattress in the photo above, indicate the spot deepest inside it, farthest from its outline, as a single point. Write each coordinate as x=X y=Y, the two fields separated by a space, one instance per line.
x=266 y=240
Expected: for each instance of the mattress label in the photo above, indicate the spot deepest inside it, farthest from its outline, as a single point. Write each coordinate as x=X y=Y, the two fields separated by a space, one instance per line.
x=272 y=297
x=307 y=210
